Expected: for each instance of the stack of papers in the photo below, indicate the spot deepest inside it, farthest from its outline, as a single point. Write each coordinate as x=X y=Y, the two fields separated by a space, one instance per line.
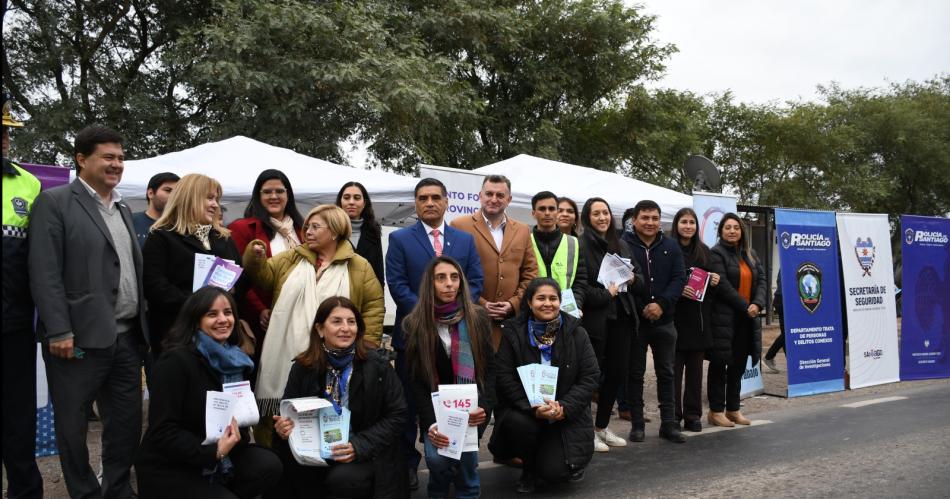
x=317 y=428
x=211 y=270
x=615 y=270
x=452 y=405
x=539 y=382
x=235 y=401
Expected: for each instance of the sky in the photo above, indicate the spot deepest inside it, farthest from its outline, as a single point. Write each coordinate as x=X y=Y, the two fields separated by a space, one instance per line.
x=776 y=51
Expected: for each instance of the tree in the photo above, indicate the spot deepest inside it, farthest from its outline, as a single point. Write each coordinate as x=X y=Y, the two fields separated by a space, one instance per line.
x=70 y=64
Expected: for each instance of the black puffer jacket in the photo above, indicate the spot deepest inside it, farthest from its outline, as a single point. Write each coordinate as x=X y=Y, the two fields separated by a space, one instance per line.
x=693 y=319
x=379 y=415
x=599 y=306
x=577 y=378
x=730 y=309
x=662 y=266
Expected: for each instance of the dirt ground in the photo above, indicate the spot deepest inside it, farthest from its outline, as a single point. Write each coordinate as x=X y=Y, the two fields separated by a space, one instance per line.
x=773 y=399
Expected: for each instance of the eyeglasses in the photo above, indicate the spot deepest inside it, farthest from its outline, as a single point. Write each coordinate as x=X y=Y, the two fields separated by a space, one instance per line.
x=279 y=192
x=314 y=227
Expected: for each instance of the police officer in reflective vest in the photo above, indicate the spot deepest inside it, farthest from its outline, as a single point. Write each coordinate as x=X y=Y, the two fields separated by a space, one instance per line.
x=557 y=253
x=20 y=188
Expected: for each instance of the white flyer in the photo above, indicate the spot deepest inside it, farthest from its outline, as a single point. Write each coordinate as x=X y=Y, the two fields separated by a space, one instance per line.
x=219 y=409
x=245 y=411
x=305 y=437
x=615 y=270
x=462 y=398
x=569 y=304
x=529 y=380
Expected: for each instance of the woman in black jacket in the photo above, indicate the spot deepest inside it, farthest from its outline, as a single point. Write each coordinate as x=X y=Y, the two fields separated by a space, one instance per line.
x=366 y=236
x=693 y=324
x=737 y=332
x=202 y=354
x=448 y=341
x=338 y=367
x=189 y=225
x=555 y=439
x=610 y=316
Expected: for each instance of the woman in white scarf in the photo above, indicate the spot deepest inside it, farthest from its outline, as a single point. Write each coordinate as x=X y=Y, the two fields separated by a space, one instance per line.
x=324 y=265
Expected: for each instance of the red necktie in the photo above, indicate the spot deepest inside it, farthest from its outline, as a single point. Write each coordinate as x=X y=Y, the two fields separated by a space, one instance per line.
x=436 y=243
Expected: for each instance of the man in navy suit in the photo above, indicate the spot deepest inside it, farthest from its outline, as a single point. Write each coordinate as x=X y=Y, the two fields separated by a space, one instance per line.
x=410 y=251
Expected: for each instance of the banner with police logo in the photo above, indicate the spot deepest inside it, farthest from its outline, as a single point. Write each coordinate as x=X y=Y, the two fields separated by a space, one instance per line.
x=811 y=299
x=925 y=321
x=869 y=300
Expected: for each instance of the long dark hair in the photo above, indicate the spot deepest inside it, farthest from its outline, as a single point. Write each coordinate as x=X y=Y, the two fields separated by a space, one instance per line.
x=188 y=323
x=314 y=357
x=613 y=241
x=255 y=209
x=745 y=242
x=532 y=289
x=370 y=225
x=421 y=328
x=698 y=251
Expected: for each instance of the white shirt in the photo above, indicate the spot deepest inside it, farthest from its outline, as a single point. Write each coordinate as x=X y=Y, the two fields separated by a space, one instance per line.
x=116 y=197
x=277 y=244
x=446 y=338
x=441 y=234
x=497 y=233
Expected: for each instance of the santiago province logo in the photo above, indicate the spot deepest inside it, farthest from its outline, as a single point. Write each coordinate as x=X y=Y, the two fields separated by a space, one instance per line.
x=864 y=251
x=808 y=276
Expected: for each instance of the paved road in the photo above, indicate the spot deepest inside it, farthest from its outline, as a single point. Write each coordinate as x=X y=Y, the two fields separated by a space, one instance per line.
x=897 y=445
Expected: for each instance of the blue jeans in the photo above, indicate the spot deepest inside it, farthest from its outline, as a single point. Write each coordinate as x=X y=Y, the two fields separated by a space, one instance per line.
x=444 y=471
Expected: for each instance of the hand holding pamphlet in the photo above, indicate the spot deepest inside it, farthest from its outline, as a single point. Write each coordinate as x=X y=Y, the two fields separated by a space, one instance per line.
x=615 y=270
x=460 y=398
x=539 y=382
x=317 y=428
x=211 y=270
x=698 y=282
x=452 y=423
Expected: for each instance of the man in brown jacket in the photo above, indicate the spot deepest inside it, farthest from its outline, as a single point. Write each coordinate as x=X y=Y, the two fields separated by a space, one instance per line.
x=504 y=246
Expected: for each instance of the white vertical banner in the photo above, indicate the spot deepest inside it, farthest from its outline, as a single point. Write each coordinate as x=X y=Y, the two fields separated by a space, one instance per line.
x=709 y=208
x=869 y=300
x=463 y=188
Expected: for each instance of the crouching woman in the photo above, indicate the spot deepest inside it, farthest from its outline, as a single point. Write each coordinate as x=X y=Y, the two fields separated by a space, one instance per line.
x=337 y=366
x=555 y=439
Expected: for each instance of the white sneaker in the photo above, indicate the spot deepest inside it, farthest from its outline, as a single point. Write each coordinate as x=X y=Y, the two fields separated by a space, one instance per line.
x=608 y=438
x=599 y=446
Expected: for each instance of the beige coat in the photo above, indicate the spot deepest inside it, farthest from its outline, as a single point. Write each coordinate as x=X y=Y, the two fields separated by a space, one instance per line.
x=507 y=272
x=365 y=290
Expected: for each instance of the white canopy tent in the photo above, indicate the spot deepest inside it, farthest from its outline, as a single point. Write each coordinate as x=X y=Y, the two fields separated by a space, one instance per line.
x=530 y=175
x=236 y=163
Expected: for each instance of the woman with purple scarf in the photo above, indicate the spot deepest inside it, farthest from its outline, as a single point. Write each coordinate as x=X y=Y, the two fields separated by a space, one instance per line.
x=448 y=342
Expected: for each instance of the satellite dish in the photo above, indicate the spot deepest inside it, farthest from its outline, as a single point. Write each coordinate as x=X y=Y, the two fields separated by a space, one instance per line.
x=705 y=174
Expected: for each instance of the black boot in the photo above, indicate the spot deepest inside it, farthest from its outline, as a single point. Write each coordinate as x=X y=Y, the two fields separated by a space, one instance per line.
x=527 y=483
x=670 y=430
x=637 y=434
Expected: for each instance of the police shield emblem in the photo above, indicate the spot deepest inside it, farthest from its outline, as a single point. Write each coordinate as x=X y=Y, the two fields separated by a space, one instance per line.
x=809 y=286
x=864 y=251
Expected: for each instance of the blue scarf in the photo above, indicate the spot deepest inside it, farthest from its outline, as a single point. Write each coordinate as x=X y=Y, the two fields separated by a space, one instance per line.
x=227 y=360
x=542 y=335
x=338 y=374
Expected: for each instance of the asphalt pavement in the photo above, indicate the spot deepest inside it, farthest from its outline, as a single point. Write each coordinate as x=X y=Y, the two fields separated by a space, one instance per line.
x=891 y=444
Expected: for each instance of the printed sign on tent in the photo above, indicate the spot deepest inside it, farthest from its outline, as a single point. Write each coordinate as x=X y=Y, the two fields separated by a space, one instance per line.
x=463 y=189
x=869 y=302
x=811 y=299
x=925 y=322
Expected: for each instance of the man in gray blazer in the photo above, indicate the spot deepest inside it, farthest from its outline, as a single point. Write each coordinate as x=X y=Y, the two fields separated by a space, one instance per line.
x=86 y=277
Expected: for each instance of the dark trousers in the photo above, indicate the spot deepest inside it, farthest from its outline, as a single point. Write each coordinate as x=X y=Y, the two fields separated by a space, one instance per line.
x=614 y=364
x=779 y=342
x=112 y=377
x=410 y=436
x=689 y=396
x=662 y=340
x=256 y=470
x=19 y=414
x=724 y=381
x=538 y=444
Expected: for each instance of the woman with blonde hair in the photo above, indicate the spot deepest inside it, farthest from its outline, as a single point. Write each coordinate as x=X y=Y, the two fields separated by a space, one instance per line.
x=300 y=280
x=190 y=225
